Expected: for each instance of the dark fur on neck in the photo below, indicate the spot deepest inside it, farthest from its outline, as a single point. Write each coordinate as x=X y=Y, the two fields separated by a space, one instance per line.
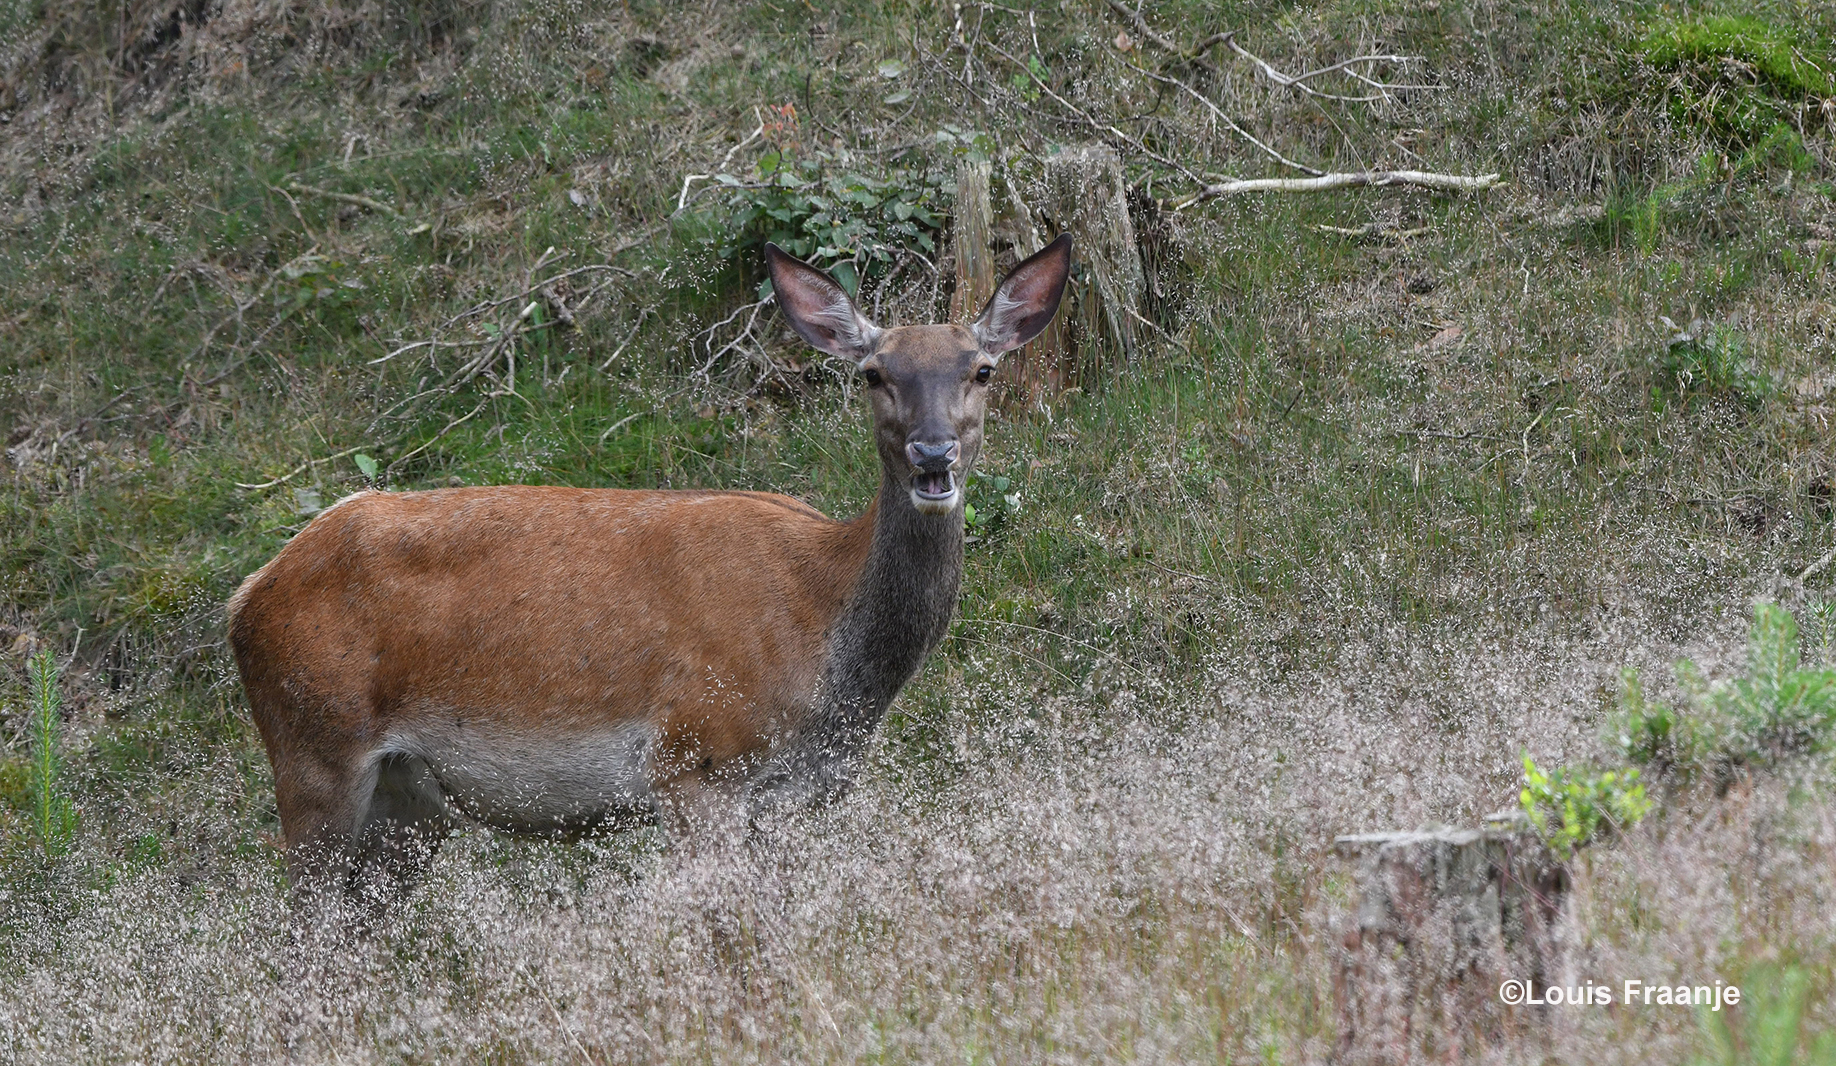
x=900 y=609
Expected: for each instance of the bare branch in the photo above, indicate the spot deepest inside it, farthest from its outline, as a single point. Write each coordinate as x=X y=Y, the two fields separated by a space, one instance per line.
x=302 y=468
x=1420 y=178
x=1226 y=119
x=687 y=179
x=1105 y=130
x=1374 y=229
x=1300 y=81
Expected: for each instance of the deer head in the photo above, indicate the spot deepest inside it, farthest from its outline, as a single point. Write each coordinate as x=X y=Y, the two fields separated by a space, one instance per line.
x=928 y=384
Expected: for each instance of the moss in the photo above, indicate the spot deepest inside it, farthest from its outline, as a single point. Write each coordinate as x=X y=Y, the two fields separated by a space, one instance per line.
x=1771 y=53
x=1741 y=78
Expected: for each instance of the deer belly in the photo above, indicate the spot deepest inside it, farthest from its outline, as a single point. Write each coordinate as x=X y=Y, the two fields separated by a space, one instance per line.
x=543 y=782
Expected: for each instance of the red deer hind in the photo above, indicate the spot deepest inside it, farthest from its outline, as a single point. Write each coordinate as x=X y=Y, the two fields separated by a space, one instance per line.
x=551 y=660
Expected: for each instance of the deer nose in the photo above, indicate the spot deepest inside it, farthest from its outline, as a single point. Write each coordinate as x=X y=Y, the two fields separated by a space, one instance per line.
x=932 y=458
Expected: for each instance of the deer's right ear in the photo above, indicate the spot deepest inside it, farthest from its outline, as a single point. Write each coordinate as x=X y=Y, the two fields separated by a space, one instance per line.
x=818 y=308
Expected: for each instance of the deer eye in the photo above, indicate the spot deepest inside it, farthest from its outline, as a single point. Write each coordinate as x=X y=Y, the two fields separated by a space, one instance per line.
x=982 y=375
x=873 y=377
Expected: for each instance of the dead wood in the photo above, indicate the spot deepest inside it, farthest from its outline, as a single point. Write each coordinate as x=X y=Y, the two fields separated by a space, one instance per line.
x=1324 y=182
x=971 y=240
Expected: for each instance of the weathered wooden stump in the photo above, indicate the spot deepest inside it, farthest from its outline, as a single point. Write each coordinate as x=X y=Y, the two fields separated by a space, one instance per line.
x=972 y=238
x=1442 y=919
x=1081 y=191
x=1086 y=195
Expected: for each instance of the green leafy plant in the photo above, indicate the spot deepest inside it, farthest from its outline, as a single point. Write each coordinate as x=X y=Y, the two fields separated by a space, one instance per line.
x=1569 y=807
x=313 y=279
x=1026 y=86
x=986 y=519
x=818 y=209
x=1780 y=709
x=1646 y=731
x=1824 y=611
x=1710 y=360
x=53 y=817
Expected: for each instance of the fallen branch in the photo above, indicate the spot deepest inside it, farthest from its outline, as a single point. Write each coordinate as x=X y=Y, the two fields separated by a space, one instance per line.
x=1420 y=178
x=687 y=179
x=347 y=198
x=1374 y=229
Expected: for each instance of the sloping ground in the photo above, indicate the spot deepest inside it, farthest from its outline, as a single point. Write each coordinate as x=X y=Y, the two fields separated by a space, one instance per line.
x=1376 y=512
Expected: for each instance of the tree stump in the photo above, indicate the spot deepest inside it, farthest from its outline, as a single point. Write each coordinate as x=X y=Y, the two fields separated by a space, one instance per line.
x=1442 y=919
x=1086 y=196
x=972 y=239
x=1081 y=191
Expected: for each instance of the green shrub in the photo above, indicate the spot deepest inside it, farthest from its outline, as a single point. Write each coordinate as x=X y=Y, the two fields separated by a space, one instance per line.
x=1778 y=710
x=827 y=212
x=1569 y=807
x=997 y=503
x=1710 y=361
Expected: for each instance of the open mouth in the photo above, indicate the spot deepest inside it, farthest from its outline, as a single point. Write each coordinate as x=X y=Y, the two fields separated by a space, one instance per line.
x=934 y=485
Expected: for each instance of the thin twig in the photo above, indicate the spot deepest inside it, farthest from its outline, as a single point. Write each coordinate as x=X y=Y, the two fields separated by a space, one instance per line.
x=751 y=321
x=572 y=1037
x=1828 y=558
x=90 y=418
x=1374 y=229
x=622 y=423
x=622 y=345
x=1229 y=122
x=1101 y=128
x=1299 y=82
x=347 y=198
x=301 y=469
x=687 y=179
x=404 y=349
x=1429 y=434
x=450 y=426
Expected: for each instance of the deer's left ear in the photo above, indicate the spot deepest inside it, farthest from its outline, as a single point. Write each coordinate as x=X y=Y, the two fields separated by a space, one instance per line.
x=1023 y=304
x=818 y=308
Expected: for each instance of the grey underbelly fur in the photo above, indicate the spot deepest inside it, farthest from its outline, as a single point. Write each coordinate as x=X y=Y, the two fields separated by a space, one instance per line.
x=539 y=783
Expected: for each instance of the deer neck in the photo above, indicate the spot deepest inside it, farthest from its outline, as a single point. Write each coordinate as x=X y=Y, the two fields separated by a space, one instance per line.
x=899 y=609
x=901 y=605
